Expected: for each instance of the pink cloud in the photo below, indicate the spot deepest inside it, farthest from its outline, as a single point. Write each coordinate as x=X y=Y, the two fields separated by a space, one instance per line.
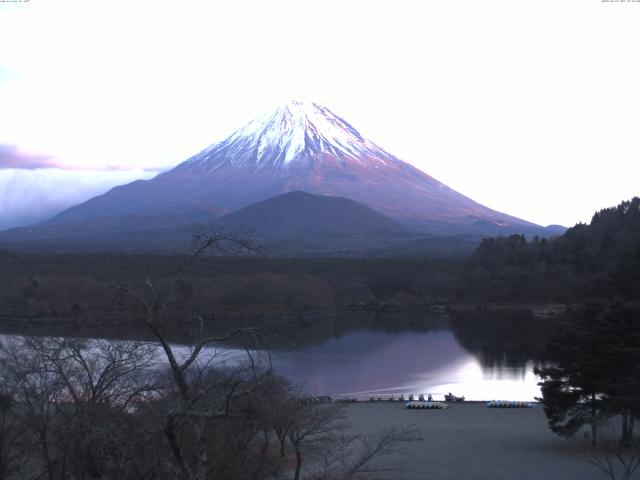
x=12 y=156
x=17 y=158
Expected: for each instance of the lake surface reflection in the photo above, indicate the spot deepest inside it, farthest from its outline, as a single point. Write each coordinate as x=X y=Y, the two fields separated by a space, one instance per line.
x=482 y=359
x=365 y=363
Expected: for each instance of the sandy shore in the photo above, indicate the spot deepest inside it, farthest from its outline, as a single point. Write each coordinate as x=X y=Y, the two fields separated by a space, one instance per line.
x=471 y=441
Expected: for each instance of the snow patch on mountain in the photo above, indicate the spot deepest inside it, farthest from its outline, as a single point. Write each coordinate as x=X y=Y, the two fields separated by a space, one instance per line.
x=292 y=132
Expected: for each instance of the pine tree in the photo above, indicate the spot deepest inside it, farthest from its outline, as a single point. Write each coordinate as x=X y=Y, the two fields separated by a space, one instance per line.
x=574 y=390
x=596 y=373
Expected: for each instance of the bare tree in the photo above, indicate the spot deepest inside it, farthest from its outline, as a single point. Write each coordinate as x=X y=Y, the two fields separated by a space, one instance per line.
x=72 y=398
x=194 y=406
x=617 y=459
x=10 y=431
x=97 y=372
x=311 y=423
x=101 y=380
x=278 y=411
x=347 y=457
x=36 y=390
x=318 y=431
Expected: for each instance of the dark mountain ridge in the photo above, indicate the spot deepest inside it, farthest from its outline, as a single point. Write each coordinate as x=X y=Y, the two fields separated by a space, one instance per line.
x=303 y=214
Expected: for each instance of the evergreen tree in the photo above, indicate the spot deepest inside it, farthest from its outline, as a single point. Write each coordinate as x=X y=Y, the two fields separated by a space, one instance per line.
x=574 y=389
x=596 y=373
x=624 y=281
x=619 y=331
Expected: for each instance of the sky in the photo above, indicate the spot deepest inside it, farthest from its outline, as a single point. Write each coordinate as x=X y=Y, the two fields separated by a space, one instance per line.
x=531 y=108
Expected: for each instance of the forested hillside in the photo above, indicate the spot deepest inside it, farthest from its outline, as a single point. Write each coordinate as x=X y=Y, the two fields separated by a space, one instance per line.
x=574 y=266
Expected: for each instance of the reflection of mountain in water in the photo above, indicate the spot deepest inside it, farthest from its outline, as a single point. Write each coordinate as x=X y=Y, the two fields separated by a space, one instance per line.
x=501 y=340
x=281 y=332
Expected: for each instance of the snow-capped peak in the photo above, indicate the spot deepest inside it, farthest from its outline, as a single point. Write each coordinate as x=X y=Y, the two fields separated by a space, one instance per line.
x=295 y=125
x=292 y=132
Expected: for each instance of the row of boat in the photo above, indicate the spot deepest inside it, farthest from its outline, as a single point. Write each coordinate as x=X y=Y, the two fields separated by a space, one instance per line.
x=421 y=398
x=510 y=404
x=427 y=405
x=422 y=405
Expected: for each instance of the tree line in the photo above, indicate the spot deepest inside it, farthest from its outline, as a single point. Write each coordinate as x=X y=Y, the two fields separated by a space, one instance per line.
x=573 y=267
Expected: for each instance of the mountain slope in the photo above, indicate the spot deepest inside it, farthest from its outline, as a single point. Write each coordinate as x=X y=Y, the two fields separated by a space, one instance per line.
x=122 y=232
x=300 y=146
x=291 y=224
x=303 y=214
x=300 y=223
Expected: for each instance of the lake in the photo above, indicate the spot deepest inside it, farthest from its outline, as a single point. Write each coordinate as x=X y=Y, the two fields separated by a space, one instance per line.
x=480 y=357
x=368 y=363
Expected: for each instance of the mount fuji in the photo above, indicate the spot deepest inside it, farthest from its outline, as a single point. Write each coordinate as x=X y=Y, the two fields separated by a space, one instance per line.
x=297 y=147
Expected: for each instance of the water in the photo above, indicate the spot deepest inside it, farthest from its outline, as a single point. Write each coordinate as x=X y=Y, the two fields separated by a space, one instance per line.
x=480 y=360
x=373 y=363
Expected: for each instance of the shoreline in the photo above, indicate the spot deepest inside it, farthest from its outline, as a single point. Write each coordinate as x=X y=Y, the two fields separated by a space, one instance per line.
x=396 y=402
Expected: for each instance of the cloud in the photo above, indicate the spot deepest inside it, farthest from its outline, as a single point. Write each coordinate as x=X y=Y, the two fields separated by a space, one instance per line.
x=12 y=156
x=29 y=196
